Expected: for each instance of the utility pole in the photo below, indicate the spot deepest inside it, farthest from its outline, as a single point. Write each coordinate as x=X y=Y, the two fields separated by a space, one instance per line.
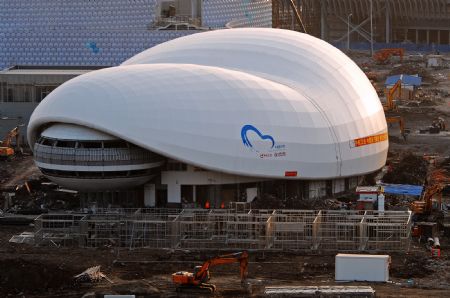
x=371 y=28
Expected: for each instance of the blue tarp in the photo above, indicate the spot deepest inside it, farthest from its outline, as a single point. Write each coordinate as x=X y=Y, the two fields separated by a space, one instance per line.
x=403 y=189
x=406 y=80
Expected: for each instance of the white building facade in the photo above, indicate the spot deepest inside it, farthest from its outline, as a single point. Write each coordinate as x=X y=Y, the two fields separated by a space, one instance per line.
x=220 y=108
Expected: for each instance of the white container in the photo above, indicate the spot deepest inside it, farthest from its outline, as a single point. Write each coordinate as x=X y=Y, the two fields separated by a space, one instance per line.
x=381 y=202
x=358 y=267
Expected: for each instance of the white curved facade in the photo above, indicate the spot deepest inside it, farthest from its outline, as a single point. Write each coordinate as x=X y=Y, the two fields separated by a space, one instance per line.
x=263 y=103
x=330 y=80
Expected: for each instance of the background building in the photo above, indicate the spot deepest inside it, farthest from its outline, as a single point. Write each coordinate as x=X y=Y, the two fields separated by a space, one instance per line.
x=421 y=25
x=22 y=88
x=107 y=32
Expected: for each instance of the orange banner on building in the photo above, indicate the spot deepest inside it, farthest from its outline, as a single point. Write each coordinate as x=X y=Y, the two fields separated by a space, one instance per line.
x=371 y=140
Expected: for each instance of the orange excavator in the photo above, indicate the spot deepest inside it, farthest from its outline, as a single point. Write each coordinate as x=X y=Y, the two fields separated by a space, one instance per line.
x=425 y=205
x=390 y=97
x=390 y=106
x=401 y=122
x=6 y=151
x=382 y=56
x=198 y=280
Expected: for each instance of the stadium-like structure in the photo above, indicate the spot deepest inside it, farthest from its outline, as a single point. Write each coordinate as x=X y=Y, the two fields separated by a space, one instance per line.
x=44 y=43
x=106 y=32
x=215 y=110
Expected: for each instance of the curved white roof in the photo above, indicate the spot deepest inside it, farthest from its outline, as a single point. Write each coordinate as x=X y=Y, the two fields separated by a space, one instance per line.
x=255 y=102
x=65 y=131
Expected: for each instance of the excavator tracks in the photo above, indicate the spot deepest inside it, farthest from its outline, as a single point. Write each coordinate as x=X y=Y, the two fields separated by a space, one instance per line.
x=200 y=289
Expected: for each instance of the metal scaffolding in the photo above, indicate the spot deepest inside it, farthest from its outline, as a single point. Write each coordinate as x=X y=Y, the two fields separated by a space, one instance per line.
x=235 y=228
x=418 y=21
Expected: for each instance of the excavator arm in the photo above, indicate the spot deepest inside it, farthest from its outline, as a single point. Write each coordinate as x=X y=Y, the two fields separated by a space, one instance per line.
x=13 y=133
x=5 y=146
x=241 y=257
x=390 y=96
x=430 y=193
x=425 y=205
x=401 y=122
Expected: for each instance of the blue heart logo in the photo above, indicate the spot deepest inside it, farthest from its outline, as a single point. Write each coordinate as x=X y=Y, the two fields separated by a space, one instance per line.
x=246 y=128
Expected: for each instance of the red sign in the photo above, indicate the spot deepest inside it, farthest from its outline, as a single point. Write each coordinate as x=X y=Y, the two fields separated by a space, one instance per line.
x=290 y=174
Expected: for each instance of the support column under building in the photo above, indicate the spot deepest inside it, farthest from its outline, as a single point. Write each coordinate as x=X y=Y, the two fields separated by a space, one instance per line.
x=323 y=20
x=417 y=36
x=194 y=193
x=149 y=195
x=173 y=193
x=428 y=36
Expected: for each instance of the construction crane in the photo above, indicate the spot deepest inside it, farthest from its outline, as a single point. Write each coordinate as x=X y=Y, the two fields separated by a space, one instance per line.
x=425 y=205
x=297 y=14
x=382 y=56
x=6 y=151
x=279 y=8
x=198 y=280
x=401 y=122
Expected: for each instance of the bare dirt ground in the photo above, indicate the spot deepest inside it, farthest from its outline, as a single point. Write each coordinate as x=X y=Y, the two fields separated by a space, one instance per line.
x=17 y=171
x=27 y=271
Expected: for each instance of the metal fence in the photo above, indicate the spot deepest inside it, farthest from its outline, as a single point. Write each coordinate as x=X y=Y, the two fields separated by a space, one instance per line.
x=320 y=230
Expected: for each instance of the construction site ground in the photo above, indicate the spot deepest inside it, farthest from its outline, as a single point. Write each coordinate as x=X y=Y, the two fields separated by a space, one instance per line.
x=47 y=272
x=28 y=271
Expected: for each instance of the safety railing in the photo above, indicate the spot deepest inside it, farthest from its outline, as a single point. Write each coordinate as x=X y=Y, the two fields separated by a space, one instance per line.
x=93 y=156
x=312 y=230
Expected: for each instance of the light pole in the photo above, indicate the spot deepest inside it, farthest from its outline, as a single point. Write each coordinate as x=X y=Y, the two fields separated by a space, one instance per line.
x=371 y=28
x=348 y=31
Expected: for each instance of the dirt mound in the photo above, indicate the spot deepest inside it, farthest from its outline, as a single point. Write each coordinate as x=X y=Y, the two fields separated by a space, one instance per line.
x=412 y=267
x=19 y=275
x=139 y=287
x=411 y=169
x=410 y=69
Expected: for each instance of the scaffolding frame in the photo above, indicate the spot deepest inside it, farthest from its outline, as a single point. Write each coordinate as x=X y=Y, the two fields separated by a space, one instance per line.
x=226 y=229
